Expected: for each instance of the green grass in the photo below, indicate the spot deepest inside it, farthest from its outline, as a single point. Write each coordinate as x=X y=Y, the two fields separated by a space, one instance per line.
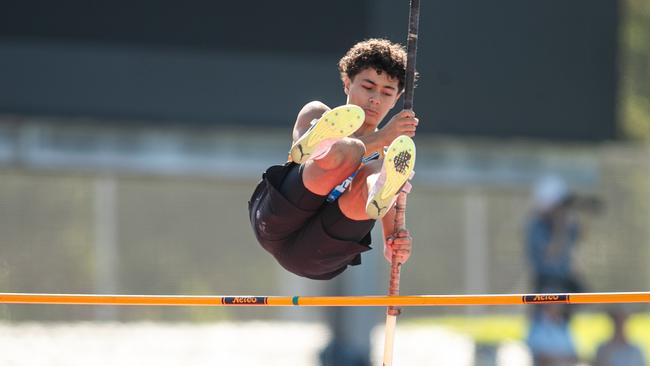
x=589 y=329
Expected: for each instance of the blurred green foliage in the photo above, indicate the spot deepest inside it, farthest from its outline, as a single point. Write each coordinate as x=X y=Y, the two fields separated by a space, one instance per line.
x=634 y=65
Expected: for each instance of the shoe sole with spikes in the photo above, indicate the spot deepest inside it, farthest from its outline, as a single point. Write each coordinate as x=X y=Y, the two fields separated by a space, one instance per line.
x=395 y=172
x=334 y=125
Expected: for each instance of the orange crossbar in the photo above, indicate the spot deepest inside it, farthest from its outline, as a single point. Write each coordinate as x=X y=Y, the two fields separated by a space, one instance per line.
x=419 y=300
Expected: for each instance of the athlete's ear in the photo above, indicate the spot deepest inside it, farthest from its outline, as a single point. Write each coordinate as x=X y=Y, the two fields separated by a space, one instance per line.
x=346 y=85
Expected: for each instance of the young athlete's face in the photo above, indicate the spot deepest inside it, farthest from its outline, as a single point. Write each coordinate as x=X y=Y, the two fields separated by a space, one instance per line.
x=375 y=93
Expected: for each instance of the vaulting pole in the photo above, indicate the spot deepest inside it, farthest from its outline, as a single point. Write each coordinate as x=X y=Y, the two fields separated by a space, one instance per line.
x=400 y=205
x=327 y=301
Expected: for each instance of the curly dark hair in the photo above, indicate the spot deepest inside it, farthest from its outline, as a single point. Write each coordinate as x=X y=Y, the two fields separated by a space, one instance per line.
x=379 y=54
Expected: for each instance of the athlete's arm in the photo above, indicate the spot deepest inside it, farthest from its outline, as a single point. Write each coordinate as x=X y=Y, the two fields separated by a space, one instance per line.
x=403 y=123
x=312 y=110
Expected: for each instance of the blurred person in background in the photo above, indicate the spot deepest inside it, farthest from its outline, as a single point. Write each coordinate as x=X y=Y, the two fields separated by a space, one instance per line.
x=315 y=212
x=552 y=233
x=618 y=351
x=549 y=337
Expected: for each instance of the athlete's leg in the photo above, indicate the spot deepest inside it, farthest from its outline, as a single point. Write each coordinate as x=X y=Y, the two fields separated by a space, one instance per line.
x=381 y=180
x=322 y=174
x=353 y=202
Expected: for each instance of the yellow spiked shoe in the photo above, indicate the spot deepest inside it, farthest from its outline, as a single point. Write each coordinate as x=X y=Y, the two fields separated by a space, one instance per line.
x=334 y=125
x=396 y=170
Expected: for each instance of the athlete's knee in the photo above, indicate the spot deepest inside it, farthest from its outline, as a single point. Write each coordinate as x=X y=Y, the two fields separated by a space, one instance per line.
x=346 y=154
x=353 y=147
x=343 y=159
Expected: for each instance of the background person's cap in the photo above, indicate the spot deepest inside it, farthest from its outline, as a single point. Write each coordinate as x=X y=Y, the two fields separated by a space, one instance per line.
x=549 y=192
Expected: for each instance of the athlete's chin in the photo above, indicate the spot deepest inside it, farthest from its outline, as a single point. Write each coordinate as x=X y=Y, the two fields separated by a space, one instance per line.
x=374 y=119
x=371 y=122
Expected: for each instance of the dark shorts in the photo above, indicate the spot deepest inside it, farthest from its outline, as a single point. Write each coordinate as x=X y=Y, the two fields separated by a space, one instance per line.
x=297 y=238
